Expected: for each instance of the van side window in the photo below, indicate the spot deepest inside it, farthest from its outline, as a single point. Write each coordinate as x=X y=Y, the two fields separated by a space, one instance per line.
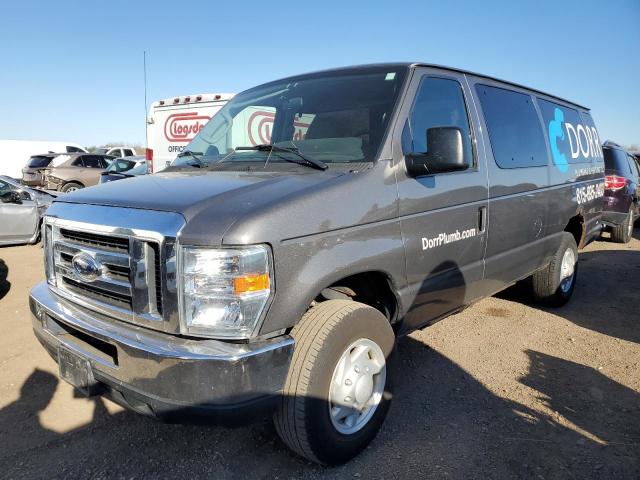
x=514 y=129
x=439 y=103
x=572 y=139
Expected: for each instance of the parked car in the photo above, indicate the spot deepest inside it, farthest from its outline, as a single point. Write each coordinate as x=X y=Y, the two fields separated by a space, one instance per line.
x=15 y=154
x=276 y=277
x=125 y=167
x=33 y=172
x=67 y=173
x=116 y=151
x=21 y=212
x=621 y=192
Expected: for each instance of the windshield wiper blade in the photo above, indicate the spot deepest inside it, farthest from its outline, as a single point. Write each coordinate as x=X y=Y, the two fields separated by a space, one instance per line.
x=267 y=147
x=195 y=155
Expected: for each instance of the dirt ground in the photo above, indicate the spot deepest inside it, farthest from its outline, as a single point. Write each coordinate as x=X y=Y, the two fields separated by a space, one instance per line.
x=503 y=390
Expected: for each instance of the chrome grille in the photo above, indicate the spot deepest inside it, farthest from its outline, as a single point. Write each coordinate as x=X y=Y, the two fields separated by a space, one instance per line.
x=96 y=240
x=129 y=285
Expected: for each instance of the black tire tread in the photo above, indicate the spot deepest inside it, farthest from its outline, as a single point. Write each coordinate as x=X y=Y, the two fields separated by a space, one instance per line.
x=620 y=233
x=543 y=282
x=309 y=334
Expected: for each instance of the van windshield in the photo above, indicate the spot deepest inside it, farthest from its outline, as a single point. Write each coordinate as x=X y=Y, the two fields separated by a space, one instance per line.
x=333 y=117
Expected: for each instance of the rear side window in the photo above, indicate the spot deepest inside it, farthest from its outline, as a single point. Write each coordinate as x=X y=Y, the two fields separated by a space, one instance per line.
x=616 y=161
x=39 y=161
x=71 y=149
x=128 y=152
x=572 y=139
x=439 y=103
x=514 y=128
x=91 y=161
x=635 y=168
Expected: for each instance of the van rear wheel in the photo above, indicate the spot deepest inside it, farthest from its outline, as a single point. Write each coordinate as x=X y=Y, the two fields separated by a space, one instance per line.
x=622 y=233
x=337 y=391
x=554 y=284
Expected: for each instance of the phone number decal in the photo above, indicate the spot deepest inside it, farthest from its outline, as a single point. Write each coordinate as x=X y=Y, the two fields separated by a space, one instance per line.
x=589 y=193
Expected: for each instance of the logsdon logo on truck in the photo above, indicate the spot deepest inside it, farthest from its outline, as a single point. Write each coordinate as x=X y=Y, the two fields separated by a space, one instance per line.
x=182 y=127
x=582 y=140
x=444 y=238
x=260 y=125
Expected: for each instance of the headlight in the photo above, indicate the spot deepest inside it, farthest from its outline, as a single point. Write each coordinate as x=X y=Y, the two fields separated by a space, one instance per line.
x=223 y=291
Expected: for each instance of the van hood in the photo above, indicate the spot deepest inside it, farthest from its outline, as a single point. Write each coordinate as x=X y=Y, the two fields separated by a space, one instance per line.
x=221 y=197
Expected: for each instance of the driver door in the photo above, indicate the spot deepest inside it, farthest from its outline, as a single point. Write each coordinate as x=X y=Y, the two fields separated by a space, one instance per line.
x=442 y=215
x=18 y=221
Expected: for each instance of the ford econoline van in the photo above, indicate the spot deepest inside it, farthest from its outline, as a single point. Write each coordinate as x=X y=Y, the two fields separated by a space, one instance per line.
x=275 y=268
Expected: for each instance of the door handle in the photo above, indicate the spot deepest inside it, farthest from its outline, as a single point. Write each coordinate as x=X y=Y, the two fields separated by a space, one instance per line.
x=482 y=219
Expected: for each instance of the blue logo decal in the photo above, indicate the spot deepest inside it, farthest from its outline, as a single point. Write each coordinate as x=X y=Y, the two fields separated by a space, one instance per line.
x=556 y=132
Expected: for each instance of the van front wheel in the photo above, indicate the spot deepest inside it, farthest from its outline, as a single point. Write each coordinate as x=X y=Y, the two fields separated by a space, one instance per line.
x=554 y=284
x=337 y=392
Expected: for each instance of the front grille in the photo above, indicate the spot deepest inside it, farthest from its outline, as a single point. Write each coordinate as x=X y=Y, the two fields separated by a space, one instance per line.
x=128 y=281
x=157 y=274
x=96 y=240
x=101 y=294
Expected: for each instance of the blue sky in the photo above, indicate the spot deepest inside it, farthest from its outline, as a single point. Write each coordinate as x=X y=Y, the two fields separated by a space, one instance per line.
x=73 y=70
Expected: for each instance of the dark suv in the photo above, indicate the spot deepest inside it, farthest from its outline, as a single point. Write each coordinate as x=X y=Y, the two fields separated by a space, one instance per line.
x=621 y=191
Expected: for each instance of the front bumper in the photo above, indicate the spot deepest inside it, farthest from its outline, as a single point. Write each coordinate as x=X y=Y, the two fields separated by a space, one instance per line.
x=164 y=375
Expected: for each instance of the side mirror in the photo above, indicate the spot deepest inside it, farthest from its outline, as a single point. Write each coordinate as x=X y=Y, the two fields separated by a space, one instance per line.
x=445 y=153
x=11 y=197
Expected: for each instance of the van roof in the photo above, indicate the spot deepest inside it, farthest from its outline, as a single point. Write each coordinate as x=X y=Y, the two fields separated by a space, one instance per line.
x=355 y=68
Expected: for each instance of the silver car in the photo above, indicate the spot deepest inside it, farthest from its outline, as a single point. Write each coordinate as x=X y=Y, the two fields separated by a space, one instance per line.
x=21 y=209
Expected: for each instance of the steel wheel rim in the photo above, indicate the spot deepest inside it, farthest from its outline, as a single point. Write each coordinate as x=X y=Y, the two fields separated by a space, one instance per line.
x=357 y=386
x=567 y=270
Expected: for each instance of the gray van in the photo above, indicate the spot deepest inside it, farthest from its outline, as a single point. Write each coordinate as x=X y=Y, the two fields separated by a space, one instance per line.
x=313 y=221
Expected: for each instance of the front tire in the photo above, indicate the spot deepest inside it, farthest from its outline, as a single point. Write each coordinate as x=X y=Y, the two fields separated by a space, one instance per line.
x=337 y=392
x=622 y=233
x=554 y=284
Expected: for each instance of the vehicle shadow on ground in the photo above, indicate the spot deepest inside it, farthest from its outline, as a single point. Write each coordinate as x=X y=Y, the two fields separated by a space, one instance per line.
x=5 y=286
x=443 y=422
x=608 y=282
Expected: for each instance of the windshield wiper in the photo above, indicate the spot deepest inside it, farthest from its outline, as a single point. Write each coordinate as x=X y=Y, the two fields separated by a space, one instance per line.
x=267 y=147
x=195 y=155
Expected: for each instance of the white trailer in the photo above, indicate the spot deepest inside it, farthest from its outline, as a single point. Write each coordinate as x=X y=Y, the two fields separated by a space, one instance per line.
x=15 y=154
x=172 y=124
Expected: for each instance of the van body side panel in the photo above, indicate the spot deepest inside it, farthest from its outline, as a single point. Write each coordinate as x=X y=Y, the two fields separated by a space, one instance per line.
x=322 y=234
x=577 y=187
x=439 y=217
x=518 y=210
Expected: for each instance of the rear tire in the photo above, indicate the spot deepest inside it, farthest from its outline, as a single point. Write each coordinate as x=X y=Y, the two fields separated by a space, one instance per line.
x=622 y=233
x=71 y=187
x=554 y=284
x=336 y=342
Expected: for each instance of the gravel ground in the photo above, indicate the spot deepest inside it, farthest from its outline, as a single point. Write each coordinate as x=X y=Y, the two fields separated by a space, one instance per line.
x=502 y=390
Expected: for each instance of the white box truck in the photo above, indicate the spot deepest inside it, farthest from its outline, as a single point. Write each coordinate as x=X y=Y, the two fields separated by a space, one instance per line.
x=173 y=122
x=14 y=154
